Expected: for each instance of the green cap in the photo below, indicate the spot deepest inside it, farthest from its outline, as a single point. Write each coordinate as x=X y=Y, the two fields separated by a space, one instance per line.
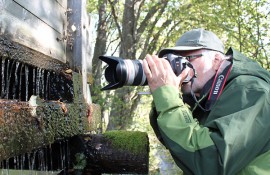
x=194 y=40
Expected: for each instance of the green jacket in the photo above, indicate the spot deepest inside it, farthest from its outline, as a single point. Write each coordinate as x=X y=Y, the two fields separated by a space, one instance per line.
x=233 y=137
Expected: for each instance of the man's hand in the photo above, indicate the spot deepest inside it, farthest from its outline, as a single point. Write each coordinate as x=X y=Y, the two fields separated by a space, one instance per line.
x=159 y=73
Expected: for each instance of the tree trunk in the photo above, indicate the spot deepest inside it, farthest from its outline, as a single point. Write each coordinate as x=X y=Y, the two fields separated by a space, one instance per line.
x=100 y=46
x=124 y=100
x=121 y=115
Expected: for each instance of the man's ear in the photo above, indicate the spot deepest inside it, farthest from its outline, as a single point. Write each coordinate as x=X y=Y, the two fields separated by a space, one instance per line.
x=217 y=61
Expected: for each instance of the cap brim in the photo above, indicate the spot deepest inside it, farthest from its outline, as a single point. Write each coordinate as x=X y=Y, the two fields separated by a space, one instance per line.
x=177 y=48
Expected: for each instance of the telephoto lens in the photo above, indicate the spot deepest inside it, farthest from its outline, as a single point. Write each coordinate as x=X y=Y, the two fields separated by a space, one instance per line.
x=122 y=72
x=125 y=72
x=133 y=71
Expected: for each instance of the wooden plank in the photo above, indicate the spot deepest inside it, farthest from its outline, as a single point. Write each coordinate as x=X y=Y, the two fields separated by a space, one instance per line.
x=48 y=11
x=62 y=3
x=21 y=26
x=78 y=43
x=13 y=50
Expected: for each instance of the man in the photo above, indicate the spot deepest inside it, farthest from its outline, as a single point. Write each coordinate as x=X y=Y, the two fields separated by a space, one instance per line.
x=225 y=128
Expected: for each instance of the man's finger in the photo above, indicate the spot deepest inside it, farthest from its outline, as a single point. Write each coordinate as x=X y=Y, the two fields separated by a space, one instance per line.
x=151 y=64
x=146 y=69
x=167 y=66
x=185 y=73
x=159 y=65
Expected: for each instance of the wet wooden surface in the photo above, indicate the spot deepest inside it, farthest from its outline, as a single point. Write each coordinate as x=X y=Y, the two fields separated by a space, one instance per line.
x=26 y=126
x=39 y=25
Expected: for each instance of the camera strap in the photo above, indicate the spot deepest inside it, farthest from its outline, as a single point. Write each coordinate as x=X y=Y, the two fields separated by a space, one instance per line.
x=217 y=85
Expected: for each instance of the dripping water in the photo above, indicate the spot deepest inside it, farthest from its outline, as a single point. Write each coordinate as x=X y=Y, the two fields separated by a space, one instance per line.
x=16 y=80
x=38 y=82
x=43 y=160
x=26 y=81
x=34 y=81
x=47 y=85
x=7 y=78
x=19 y=81
x=3 y=87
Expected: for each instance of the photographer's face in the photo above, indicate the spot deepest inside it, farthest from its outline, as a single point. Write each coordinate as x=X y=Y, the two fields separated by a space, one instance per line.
x=205 y=66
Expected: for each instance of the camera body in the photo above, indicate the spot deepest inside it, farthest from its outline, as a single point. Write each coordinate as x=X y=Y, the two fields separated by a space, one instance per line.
x=125 y=72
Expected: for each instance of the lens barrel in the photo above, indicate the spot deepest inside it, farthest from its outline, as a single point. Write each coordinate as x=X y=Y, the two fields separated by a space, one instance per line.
x=135 y=73
x=125 y=72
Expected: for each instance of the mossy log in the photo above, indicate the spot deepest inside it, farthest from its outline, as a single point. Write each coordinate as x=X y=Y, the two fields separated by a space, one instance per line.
x=114 y=152
x=26 y=126
x=123 y=152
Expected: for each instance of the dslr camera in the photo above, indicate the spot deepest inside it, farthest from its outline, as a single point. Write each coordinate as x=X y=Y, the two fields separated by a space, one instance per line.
x=125 y=72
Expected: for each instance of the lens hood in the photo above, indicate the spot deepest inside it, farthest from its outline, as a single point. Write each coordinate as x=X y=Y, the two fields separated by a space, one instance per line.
x=114 y=73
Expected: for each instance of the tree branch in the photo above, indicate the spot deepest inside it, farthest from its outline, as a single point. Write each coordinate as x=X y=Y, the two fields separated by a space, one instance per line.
x=115 y=17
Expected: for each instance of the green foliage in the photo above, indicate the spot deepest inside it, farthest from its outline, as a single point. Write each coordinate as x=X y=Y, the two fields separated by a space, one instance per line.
x=241 y=24
x=92 y=6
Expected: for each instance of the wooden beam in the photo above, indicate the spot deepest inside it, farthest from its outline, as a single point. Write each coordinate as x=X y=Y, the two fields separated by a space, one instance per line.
x=36 y=25
x=78 y=41
x=26 y=126
x=50 y=12
x=16 y=51
x=62 y=3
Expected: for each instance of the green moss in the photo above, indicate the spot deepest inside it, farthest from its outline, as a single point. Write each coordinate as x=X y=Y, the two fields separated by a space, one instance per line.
x=133 y=141
x=80 y=161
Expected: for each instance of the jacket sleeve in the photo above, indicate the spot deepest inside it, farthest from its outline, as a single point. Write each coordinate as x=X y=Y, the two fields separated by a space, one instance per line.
x=220 y=147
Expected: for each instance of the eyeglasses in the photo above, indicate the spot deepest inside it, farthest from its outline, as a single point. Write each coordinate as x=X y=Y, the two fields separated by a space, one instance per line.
x=191 y=57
